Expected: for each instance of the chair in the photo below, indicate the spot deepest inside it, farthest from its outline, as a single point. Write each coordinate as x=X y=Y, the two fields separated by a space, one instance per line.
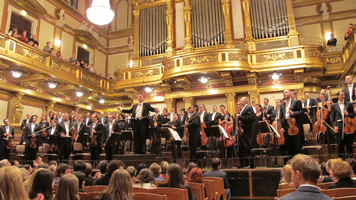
x=141 y=190
x=172 y=193
x=86 y=188
x=20 y=149
x=325 y=186
x=77 y=146
x=281 y=193
x=148 y=196
x=209 y=184
x=97 y=188
x=340 y=192
x=218 y=187
x=283 y=186
x=198 y=190
x=345 y=198
x=89 y=195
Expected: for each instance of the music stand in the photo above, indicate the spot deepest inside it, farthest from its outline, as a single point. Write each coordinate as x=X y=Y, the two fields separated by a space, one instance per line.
x=213 y=132
x=263 y=127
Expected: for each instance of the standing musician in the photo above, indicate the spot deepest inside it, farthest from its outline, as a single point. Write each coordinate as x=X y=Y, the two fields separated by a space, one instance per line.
x=182 y=115
x=291 y=108
x=349 y=90
x=97 y=131
x=176 y=145
x=53 y=134
x=171 y=114
x=24 y=123
x=87 y=119
x=64 y=138
x=81 y=129
x=215 y=116
x=193 y=125
x=32 y=139
x=339 y=111
x=318 y=98
x=246 y=117
x=226 y=122
x=267 y=110
x=6 y=133
x=140 y=123
x=46 y=124
x=204 y=116
x=258 y=116
x=110 y=128
x=155 y=134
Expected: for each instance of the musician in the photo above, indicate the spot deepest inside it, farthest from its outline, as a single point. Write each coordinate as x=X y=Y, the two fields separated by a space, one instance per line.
x=6 y=133
x=155 y=133
x=318 y=98
x=254 y=106
x=246 y=117
x=204 y=116
x=128 y=120
x=182 y=115
x=275 y=112
x=52 y=134
x=110 y=128
x=225 y=121
x=258 y=116
x=309 y=102
x=140 y=125
x=171 y=115
x=102 y=118
x=267 y=109
x=87 y=119
x=107 y=117
x=81 y=129
x=64 y=138
x=33 y=131
x=215 y=116
x=97 y=131
x=291 y=108
x=44 y=122
x=59 y=117
x=164 y=117
x=349 y=90
x=24 y=123
x=177 y=125
x=120 y=122
x=193 y=125
x=339 y=110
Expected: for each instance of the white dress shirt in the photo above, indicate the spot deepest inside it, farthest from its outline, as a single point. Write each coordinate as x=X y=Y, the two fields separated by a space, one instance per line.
x=32 y=127
x=66 y=125
x=171 y=117
x=202 y=116
x=92 y=128
x=53 y=130
x=213 y=116
x=139 y=110
x=350 y=87
x=110 y=128
x=287 y=107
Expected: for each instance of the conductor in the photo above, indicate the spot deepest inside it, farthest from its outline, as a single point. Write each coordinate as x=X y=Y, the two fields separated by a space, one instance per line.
x=140 y=123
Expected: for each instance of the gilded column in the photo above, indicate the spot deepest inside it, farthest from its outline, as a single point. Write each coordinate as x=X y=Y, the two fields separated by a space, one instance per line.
x=17 y=109
x=226 y=6
x=169 y=18
x=137 y=33
x=231 y=103
x=248 y=26
x=293 y=34
x=188 y=101
x=188 y=26
x=170 y=103
x=253 y=96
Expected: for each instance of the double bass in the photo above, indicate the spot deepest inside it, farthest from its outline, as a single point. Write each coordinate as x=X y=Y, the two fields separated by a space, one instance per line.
x=276 y=124
x=293 y=129
x=228 y=128
x=321 y=115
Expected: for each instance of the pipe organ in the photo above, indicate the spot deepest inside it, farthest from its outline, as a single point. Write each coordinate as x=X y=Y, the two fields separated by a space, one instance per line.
x=269 y=18
x=207 y=23
x=153 y=31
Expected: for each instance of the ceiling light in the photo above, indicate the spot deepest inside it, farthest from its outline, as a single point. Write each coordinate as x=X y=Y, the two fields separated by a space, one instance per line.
x=79 y=94
x=57 y=42
x=85 y=46
x=328 y=36
x=203 y=80
x=24 y=13
x=16 y=74
x=148 y=89
x=102 y=101
x=52 y=85
x=89 y=107
x=100 y=13
x=275 y=76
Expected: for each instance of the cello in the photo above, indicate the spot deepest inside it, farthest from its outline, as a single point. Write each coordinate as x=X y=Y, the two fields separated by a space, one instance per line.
x=293 y=129
x=276 y=124
x=228 y=128
x=321 y=115
x=261 y=138
x=203 y=138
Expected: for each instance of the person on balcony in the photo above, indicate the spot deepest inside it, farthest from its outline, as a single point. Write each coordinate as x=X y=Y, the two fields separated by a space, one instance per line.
x=348 y=31
x=47 y=48
x=332 y=43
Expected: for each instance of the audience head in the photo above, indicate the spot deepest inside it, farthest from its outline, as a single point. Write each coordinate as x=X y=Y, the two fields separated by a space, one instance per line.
x=42 y=183
x=88 y=169
x=120 y=185
x=341 y=169
x=216 y=163
x=328 y=165
x=305 y=170
x=323 y=169
x=287 y=173
x=63 y=169
x=79 y=165
x=4 y=163
x=114 y=165
x=352 y=162
x=175 y=176
x=191 y=166
x=11 y=187
x=102 y=166
x=164 y=167
x=196 y=175
x=68 y=187
x=81 y=178
x=141 y=166
x=146 y=176
x=156 y=169
x=131 y=170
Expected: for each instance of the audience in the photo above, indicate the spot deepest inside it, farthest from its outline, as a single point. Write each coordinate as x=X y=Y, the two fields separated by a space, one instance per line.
x=348 y=31
x=89 y=181
x=145 y=179
x=120 y=187
x=4 y=163
x=156 y=170
x=79 y=165
x=287 y=175
x=11 y=187
x=102 y=166
x=329 y=178
x=62 y=170
x=342 y=173
x=47 y=48
x=140 y=166
x=132 y=171
x=81 y=180
x=113 y=165
x=164 y=168
x=29 y=181
x=42 y=184
x=191 y=166
x=68 y=188
x=196 y=176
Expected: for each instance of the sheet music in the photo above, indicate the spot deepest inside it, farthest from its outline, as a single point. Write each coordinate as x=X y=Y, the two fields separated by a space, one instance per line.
x=174 y=134
x=222 y=130
x=275 y=131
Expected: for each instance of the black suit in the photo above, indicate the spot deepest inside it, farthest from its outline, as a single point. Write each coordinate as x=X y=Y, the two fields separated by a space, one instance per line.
x=344 y=183
x=53 y=138
x=214 y=121
x=268 y=111
x=312 y=102
x=23 y=128
x=110 y=144
x=337 y=120
x=87 y=121
x=65 y=143
x=81 y=129
x=31 y=153
x=99 y=132
x=306 y=193
x=4 y=152
x=205 y=118
x=246 y=117
x=349 y=97
x=140 y=127
x=176 y=145
x=293 y=143
x=194 y=135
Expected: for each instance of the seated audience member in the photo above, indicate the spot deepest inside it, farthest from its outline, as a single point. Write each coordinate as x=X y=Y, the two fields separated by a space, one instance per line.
x=11 y=187
x=29 y=181
x=16 y=163
x=62 y=170
x=32 y=41
x=329 y=178
x=305 y=174
x=164 y=168
x=68 y=188
x=287 y=175
x=89 y=181
x=216 y=172
x=119 y=188
x=80 y=166
x=342 y=173
x=323 y=169
x=72 y=59
x=352 y=162
x=156 y=170
x=113 y=165
x=176 y=180
x=81 y=180
x=132 y=171
x=102 y=166
x=42 y=184
x=28 y=168
x=196 y=176
x=348 y=31
x=43 y=165
x=47 y=48
x=140 y=166
x=23 y=37
x=145 y=179
x=191 y=166
x=24 y=173
x=4 y=163
x=52 y=52
x=59 y=55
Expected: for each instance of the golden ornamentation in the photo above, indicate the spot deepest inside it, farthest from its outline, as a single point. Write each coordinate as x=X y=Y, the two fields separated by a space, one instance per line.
x=30 y=54
x=153 y=61
x=275 y=56
x=120 y=77
x=39 y=90
x=169 y=65
x=188 y=25
x=200 y=59
x=187 y=87
x=16 y=118
x=67 y=98
x=237 y=57
x=300 y=93
x=166 y=89
x=247 y=17
x=51 y=105
x=3 y=80
x=188 y=101
x=91 y=79
x=229 y=83
x=253 y=95
x=227 y=22
x=143 y=2
x=312 y=54
x=2 y=42
x=72 y=71
x=169 y=20
x=333 y=60
x=208 y=86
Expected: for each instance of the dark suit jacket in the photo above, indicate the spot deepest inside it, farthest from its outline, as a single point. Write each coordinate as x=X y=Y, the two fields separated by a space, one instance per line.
x=29 y=133
x=23 y=124
x=54 y=139
x=103 y=180
x=307 y=193
x=312 y=102
x=219 y=174
x=61 y=124
x=194 y=130
x=115 y=128
x=99 y=131
x=89 y=121
x=296 y=107
x=2 y=135
x=246 y=117
x=349 y=97
x=145 y=110
x=216 y=118
x=205 y=117
x=344 y=183
x=336 y=115
x=268 y=111
x=179 y=127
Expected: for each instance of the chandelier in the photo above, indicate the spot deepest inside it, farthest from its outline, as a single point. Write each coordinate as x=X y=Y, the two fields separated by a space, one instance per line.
x=100 y=13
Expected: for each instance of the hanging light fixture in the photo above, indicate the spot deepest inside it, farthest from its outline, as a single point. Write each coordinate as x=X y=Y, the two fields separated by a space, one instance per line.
x=79 y=94
x=100 y=13
x=275 y=76
x=148 y=89
x=102 y=101
x=52 y=85
x=16 y=74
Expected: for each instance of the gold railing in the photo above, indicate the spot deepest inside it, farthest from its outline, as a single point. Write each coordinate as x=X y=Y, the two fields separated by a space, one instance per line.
x=29 y=59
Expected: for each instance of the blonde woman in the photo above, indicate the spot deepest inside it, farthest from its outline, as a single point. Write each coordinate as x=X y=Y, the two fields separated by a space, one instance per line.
x=146 y=179
x=120 y=187
x=68 y=188
x=11 y=187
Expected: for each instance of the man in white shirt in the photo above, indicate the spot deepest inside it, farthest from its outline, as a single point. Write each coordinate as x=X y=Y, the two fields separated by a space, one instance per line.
x=24 y=123
x=53 y=134
x=108 y=141
x=6 y=133
x=59 y=117
x=32 y=133
x=204 y=116
x=215 y=116
x=349 y=90
x=87 y=119
x=171 y=115
x=64 y=141
x=254 y=106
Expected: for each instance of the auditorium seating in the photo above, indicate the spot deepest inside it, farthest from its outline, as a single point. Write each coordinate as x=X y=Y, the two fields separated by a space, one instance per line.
x=281 y=193
x=172 y=193
x=340 y=192
x=89 y=195
x=141 y=190
x=198 y=190
x=218 y=187
x=148 y=196
x=209 y=184
x=95 y=188
x=345 y=198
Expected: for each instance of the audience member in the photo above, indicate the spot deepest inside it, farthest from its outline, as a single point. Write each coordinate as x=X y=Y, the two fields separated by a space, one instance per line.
x=42 y=184
x=132 y=171
x=15 y=34
x=81 y=179
x=79 y=165
x=4 y=163
x=11 y=187
x=329 y=178
x=68 y=188
x=59 y=55
x=140 y=166
x=216 y=172
x=23 y=37
x=305 y=174
x=120 y=187
x=164 y=168
x=342 y=173
x=352 y=162
x=47 y=48
x=191 y=166
x=72 y=59
x=156 y=170
x=145 y=179
x=348 y=31
x=62 y=170
x=196 y=176
x=113 y=165
x=52 y=52
x=287 y=175
x=32 y=41
x=89 y=181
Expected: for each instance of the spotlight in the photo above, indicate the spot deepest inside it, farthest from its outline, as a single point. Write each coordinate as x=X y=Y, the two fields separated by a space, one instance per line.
x=85 y=46
x=148 y=89
x=79 y=94
x=24 y=13
x=89 y=107
x=203 y=80
x=102 y=101
x=327 y=36
x=275 y=76
x=57 y=42
x=131 y=63
x=16 y=74
x=52 y=85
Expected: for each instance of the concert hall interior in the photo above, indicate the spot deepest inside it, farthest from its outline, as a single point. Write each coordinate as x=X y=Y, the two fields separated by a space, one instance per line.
x=252 y=82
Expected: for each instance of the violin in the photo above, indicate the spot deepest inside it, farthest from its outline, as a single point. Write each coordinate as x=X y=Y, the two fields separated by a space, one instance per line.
x=293 y=129
x=348 y=126
x=8 y=142
x=33 y=144
x=277 y=125
x=93 y=142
